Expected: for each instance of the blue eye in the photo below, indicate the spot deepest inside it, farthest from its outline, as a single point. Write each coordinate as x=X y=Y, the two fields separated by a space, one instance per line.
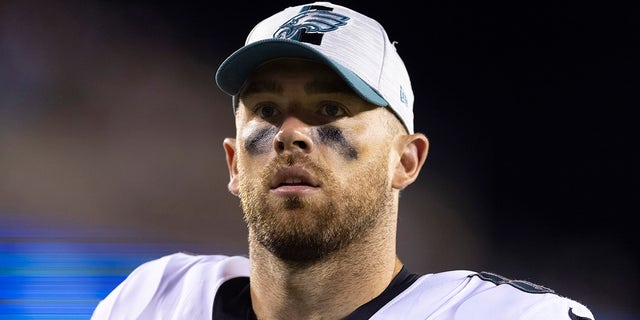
x=332 y=110
x=266 y=111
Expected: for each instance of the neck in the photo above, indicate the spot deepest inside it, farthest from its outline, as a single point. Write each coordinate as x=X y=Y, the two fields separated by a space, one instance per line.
x=331 y=288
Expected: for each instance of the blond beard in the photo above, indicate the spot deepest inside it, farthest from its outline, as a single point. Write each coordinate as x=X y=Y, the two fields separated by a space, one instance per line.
x=317 y=229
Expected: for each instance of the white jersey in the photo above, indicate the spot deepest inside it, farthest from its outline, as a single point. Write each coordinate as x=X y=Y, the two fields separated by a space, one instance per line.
x=182 y=286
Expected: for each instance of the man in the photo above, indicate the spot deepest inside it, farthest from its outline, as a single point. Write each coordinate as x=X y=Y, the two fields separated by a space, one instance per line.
x=324 y=145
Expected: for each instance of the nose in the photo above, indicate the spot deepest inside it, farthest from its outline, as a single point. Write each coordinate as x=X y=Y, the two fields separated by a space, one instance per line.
x=293 y=136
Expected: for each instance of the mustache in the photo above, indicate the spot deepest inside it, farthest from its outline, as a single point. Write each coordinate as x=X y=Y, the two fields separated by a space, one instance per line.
x=290 y=160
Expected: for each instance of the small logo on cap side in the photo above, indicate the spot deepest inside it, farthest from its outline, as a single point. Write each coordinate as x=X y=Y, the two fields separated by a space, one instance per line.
x=310 y=22
x=403 y=97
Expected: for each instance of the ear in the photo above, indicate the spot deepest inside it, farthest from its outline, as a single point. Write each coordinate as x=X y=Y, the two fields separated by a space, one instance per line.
x=232 y=164
x=413 y=153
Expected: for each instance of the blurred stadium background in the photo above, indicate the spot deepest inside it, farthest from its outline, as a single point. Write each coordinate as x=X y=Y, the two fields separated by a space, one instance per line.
x=111 y=152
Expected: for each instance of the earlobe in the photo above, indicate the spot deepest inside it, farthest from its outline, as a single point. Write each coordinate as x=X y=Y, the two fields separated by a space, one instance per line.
x=413 y=154
x=232 y=163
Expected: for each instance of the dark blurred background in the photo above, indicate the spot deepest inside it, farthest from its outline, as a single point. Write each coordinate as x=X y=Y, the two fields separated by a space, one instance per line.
x=111 y=133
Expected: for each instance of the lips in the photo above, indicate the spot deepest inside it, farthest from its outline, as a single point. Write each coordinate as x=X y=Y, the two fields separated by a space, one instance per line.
x=293 y=180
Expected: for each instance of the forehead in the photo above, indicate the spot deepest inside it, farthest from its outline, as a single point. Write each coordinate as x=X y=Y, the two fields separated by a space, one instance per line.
x=274 y=76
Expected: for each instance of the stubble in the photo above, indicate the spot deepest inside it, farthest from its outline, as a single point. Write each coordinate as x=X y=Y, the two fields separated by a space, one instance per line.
x=303 y=230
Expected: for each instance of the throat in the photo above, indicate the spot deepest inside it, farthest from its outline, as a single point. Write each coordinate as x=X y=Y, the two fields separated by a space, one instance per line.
x=331 y=288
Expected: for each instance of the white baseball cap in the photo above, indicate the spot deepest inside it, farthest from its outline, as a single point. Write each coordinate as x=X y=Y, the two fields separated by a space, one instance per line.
x=354 y=45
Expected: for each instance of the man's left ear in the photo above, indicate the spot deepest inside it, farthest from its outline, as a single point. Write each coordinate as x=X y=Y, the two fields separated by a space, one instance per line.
x=413 y=153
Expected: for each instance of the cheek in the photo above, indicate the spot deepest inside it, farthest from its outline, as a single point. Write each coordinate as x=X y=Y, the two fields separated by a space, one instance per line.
x=255 y=141
x=259 y=141
x=366 y=151
x=334 y=138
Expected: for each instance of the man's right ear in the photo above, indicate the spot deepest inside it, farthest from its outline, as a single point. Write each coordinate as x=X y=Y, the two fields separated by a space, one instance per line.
x=232 y=164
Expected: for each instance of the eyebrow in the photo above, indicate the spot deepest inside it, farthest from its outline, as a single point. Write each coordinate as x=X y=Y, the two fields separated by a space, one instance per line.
x=260 y=87
x=313 y=87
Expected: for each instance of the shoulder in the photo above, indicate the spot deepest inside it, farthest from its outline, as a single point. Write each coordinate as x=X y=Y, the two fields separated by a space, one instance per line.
x=467 y=295
x=518 y=299
x=172 y=284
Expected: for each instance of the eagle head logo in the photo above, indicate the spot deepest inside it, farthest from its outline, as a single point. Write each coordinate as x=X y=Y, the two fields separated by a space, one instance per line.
x=310 y=21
